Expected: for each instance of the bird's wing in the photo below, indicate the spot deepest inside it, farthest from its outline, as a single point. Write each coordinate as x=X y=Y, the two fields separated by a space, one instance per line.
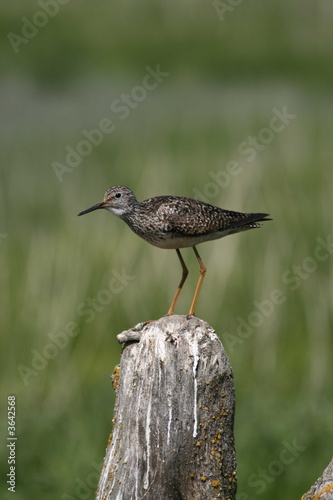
x=187 y=217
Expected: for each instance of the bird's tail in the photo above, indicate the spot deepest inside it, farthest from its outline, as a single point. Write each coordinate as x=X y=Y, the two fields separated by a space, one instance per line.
x=250 y=221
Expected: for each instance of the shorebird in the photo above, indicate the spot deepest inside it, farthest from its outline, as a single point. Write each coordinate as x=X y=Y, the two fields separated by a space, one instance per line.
x=175 y=222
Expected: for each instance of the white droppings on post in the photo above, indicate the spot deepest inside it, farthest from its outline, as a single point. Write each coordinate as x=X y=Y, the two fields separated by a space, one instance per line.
x=195 y=367
x=169 y=422
x=146 y=477
x=160 y=348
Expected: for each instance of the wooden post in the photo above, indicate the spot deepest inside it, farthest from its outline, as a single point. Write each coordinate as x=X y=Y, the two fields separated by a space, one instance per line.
x=323 y=487
x=174 y=415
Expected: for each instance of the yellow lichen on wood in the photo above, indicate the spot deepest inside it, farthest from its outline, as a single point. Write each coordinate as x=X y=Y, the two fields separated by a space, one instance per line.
x=327 y=488
x=115 y=377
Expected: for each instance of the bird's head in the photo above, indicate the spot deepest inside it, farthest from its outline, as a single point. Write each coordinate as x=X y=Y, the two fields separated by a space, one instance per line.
x=119 y=200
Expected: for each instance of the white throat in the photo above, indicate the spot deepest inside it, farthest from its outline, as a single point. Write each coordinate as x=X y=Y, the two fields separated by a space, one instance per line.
x=117 y=211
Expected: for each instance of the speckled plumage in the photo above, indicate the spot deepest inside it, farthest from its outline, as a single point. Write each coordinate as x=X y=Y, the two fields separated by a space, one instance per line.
x=175 y=222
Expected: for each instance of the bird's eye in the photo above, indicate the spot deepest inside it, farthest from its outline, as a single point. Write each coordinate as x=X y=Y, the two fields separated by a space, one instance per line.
x=118 y=195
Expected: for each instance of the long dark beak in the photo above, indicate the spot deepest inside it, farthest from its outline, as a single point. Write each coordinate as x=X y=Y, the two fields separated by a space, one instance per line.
x=94 y=207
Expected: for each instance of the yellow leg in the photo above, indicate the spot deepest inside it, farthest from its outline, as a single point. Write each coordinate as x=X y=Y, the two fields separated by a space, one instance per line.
x=182 y=281
x=201 y=278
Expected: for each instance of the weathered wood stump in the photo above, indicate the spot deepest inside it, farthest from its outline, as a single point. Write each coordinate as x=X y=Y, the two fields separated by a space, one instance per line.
x=323 y=487
x=174 y=416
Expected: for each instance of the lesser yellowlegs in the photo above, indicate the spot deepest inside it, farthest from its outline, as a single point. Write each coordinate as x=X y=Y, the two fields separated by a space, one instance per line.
x=174 y=222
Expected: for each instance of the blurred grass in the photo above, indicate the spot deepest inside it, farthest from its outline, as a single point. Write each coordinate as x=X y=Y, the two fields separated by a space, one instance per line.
x=254 y=40
x=225 y=80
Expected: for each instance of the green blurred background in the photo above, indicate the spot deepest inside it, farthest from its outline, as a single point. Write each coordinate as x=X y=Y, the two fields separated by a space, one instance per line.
x=230 y=65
